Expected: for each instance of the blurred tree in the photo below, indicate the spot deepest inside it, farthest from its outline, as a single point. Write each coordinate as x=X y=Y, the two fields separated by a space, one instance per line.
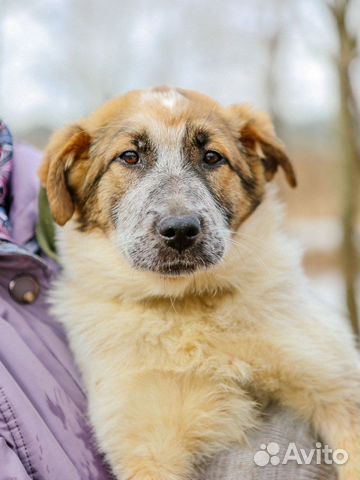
x=273 y=43
x=349 y=138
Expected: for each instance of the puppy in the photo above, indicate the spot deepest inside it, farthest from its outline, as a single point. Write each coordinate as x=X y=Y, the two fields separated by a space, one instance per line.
x=184 y=302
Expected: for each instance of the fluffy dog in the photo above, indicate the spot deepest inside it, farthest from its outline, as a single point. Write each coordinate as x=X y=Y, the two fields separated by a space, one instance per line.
x=184 y=302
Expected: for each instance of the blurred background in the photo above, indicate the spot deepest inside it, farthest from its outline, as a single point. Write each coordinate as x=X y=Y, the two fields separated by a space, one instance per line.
x=298 y=59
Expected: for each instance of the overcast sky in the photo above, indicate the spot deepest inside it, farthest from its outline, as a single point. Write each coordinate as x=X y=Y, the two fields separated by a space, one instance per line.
x=61 y=58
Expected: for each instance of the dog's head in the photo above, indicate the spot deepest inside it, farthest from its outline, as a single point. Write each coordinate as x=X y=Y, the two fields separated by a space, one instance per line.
x=167 y=174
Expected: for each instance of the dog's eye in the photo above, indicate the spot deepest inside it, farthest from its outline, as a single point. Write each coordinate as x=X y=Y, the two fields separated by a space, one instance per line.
x=212 y=158
x=130 y=157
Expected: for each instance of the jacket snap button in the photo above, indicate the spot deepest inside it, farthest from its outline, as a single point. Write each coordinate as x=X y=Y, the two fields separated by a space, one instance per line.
x=24 y=289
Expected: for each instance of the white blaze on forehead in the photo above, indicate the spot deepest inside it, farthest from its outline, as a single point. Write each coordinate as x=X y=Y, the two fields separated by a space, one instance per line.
x=169 y=142
x=168 y=98
x=167 y=138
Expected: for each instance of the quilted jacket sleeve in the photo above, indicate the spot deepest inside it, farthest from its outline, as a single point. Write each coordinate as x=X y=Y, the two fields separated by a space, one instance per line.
x=43 y=421
x=11 y=465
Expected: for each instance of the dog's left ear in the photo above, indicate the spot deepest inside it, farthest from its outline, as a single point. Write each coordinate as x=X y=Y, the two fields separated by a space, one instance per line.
x=256 y=134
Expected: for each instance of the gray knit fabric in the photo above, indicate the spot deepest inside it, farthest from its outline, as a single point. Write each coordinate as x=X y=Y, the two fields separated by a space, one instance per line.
x=279 y=426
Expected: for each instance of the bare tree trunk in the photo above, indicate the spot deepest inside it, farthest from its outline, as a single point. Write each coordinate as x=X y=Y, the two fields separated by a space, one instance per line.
x=349 y=131
x=271 y=84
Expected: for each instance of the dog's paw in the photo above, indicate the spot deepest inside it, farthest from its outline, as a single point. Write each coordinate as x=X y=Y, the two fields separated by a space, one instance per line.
x=154 y=473
x=144 y=476
x=349 y=472
x=155 y=476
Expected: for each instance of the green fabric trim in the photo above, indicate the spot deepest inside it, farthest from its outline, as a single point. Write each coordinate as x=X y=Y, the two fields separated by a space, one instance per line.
x=45 y=229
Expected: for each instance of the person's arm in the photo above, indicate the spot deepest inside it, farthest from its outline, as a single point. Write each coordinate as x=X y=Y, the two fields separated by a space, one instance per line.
x=267 y=456
x=11 y=467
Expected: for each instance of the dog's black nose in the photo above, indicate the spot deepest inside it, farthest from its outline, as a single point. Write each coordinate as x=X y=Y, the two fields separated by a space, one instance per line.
x=180 y=233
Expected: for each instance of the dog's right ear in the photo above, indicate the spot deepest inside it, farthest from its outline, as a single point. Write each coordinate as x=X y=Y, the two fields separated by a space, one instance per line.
x=66 y=148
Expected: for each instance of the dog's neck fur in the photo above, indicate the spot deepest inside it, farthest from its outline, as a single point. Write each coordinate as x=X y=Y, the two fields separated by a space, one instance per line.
x=261 y=258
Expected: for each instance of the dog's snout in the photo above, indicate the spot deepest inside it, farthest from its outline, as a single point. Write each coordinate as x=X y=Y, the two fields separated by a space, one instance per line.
x=180 y=232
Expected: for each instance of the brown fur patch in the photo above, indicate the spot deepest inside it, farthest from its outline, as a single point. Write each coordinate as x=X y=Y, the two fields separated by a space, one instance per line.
x=68 y=148
x=257 y=136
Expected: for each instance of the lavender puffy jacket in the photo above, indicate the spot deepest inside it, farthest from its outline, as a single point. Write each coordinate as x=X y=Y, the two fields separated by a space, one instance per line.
x=44 y=432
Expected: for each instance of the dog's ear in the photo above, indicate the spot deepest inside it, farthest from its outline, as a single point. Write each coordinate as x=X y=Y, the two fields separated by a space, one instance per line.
x=66 y=149
x=256 y=135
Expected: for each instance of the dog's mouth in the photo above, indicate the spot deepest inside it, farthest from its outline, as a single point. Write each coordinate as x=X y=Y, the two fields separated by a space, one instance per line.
x=177 y=269
x=166 y=261
x=183 y=265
